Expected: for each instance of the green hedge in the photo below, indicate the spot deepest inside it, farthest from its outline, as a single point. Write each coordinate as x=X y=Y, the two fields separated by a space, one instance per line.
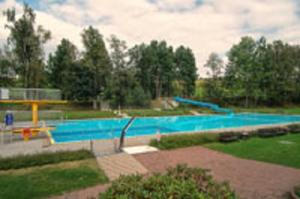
x=294 y=128
x=23 y=161
x=184 y=140
x=179 y=182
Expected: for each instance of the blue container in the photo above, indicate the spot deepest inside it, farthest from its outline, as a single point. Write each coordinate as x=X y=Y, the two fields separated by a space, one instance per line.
x=9 y=119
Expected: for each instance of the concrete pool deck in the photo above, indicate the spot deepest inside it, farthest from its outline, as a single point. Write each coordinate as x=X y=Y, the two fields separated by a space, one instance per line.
x=103 y=147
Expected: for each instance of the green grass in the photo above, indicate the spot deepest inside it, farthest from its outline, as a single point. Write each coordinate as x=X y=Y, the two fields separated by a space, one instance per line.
x=50 y=180
x=88 y=114
x=274 y=110
x=152 y=112
x=283 y=150
x=24 y=161
x=184 y=140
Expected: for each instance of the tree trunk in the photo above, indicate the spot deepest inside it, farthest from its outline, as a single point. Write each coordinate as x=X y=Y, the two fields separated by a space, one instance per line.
x=95 y=104
x=157 y=88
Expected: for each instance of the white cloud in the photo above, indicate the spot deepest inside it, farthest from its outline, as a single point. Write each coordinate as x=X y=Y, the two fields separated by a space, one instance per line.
x=212 y=26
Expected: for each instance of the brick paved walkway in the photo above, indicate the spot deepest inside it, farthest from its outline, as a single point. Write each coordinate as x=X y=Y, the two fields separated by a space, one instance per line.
x=250 y=179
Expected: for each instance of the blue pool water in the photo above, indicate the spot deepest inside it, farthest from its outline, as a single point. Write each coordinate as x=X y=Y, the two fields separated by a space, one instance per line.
x=72 y=131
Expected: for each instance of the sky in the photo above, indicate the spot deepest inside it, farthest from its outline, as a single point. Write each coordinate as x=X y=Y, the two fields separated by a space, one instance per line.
x=205 y=26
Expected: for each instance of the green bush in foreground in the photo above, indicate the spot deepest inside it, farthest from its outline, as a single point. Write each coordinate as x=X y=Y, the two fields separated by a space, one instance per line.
x=297 y=190
x=23 y=161
x=177 y=183
x=294 y=128
x=184 y=140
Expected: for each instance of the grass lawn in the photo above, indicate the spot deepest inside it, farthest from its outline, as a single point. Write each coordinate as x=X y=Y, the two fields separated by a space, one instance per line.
x=88 y=114
x=152 y=112
x=282 y=150
x=274 y=110
x=45 y=181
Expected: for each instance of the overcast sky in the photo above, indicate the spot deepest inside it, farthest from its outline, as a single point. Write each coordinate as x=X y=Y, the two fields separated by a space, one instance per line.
x=203 y=25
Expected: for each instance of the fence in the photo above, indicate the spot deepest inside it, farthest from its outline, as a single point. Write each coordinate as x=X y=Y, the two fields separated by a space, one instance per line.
x=29 y=94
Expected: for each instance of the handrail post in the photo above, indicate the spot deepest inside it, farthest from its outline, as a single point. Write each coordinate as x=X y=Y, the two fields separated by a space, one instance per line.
x=124 y=130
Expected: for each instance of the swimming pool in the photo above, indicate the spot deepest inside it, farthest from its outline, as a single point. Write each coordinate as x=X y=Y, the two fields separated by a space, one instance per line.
x=79 y=130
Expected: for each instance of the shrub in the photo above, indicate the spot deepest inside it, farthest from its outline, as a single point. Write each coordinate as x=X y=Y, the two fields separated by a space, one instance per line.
x=23 y=161
x=230 y=136
x=184 y=140
x=297 y=190
x=179 y=182
x=294 y=128
x=271 y=132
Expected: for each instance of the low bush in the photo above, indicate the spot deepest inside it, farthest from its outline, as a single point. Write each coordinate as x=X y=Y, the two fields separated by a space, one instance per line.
x=184 y=140
x=294 y=128
x=297 y=190
x=230 y=136
x=23 y=161
x=179 y=182
x=271 y=132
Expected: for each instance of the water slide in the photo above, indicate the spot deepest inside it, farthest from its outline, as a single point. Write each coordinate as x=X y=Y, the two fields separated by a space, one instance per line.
x=211 y=106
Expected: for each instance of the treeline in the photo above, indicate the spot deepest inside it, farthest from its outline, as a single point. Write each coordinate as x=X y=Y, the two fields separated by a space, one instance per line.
x=257 y=73
x=118 y=74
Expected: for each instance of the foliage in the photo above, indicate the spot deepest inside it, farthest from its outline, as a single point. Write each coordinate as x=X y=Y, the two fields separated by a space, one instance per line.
x=294 y=128
x=184 y=140
x=212 y=86
x=24 y=161
x=257 y=72
x=283 y=150
x=7 y=69
x=163 y=72
x=47 y=181
x=151 y=112
x=138 y=98
x=60 y=67
x=96 y=59
x=26 y=40
x=270 y=132
x=88 y=114
x=178 y=182
x=124 y=90
x=230 y=136
x=186 y=70
x=297 y=190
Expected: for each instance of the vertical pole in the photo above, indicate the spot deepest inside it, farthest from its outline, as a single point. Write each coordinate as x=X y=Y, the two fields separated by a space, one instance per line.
x=35 y=114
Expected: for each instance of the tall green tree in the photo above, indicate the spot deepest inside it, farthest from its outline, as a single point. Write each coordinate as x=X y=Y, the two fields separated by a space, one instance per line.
x=96 y=58
x=8 y=74
x=60 y=66
x=121 y=78
x=26 y=40
x=186 y=69
x=213 y=84
x=240 y=69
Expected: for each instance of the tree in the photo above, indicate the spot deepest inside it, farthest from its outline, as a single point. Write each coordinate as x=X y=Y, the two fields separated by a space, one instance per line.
x=125 y=89
x=213 y=84
x=122 y=80
x=96 y=58
x=60 y=65
x=26 y=40
x=8 y=74
x=241 y=69
x=78 y=84
x=186 y=69
x=154 y=65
